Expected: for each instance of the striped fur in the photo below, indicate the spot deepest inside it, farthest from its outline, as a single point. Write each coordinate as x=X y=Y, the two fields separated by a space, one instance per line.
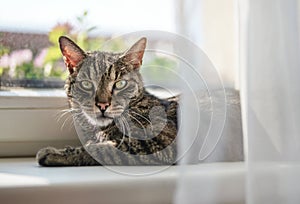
x=136 y=127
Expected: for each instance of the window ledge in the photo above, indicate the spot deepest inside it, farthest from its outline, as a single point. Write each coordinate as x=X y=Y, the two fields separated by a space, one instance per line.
x=34 y=92
x=22 y=179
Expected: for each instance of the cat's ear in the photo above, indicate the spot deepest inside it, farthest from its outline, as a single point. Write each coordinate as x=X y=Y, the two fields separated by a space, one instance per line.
x=134 y=55
x=72 y=53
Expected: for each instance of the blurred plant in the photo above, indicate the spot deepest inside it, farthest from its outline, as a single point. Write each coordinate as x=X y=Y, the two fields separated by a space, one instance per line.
x=53 y=52
x=52 y=55
x=80 y=34
x=28 y=71
x=3 y=50
x=158 y=69
x=47 y=63
x=11 y=63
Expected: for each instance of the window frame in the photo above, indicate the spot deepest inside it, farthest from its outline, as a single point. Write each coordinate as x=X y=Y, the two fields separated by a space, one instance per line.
x=25 y=114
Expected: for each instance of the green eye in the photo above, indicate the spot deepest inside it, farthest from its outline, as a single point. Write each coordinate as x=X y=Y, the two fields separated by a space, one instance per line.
x=120 y=84
x=86 y=84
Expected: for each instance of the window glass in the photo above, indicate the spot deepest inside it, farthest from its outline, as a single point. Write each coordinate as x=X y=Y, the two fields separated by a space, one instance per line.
x=29 y=52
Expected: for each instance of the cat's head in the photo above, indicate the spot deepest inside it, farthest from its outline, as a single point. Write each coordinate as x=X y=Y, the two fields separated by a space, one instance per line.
x=101 y=84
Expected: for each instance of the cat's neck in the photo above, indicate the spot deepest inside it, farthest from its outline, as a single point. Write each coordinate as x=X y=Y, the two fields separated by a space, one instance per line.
x=141 y=106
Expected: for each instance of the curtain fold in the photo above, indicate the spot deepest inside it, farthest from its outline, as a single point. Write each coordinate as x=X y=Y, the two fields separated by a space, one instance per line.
x=270 y=92
x=269 y=81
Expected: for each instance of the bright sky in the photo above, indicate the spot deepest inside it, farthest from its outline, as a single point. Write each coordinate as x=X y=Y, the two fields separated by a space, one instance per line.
x=110 y=16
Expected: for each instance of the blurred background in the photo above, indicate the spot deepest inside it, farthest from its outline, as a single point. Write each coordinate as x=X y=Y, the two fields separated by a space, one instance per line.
x=29 y=53
x=30 y=56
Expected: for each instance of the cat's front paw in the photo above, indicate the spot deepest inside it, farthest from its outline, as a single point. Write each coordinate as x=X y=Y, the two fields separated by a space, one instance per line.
x=95 y=149
x=45 y=156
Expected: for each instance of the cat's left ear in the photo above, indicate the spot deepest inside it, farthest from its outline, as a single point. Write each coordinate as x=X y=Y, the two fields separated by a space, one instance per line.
x=134 y=55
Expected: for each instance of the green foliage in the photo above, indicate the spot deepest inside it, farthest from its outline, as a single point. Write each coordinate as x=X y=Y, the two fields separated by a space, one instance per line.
x=80 y=33
x=28 y=71
x=53 y=52
x=81 y=37
x=158 y=69
x=58 y=73
x=3 y=50
x=116 y=45
x=58 y=30
x=4 y=71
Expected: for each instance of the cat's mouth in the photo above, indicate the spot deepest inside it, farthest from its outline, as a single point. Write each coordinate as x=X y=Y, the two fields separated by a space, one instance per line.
x=103 y=116
x=109 y=114
x=102 y=119
x=98 y=119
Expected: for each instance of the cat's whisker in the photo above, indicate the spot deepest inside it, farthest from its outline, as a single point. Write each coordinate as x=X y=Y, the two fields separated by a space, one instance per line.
x=143 y=117
x=61 y=111
x=71 y=124
x=62 y=115
x=59 y=116
x=63 y=124
x=123 y=131
x=65 y=110
x=76 y=115
x=131 y=116
x=69 y=110
x=128 y=127
x=66 y=107
x=70 y=118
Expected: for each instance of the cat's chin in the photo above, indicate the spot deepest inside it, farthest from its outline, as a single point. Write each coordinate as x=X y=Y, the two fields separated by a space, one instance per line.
x=104 y=121
x=98 y=120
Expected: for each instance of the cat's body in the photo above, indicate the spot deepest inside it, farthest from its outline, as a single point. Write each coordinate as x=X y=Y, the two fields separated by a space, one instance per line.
x=120 y=123
x=110 y=147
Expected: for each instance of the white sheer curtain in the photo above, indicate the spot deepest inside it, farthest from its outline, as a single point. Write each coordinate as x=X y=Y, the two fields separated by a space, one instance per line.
x=269 y=70
x=271 y=99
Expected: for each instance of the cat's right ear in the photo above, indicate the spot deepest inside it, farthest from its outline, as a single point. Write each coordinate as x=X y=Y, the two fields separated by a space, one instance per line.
x=72 y=53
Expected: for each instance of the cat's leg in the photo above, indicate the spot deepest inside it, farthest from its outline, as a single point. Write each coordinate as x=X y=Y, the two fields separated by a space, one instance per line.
x=69 y=156
x=108 y=154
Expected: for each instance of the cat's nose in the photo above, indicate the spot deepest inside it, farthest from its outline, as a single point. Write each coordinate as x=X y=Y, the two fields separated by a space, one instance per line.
x=102 y=106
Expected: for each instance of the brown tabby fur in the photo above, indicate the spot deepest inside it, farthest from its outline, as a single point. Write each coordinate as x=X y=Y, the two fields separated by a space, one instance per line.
x=126 y=126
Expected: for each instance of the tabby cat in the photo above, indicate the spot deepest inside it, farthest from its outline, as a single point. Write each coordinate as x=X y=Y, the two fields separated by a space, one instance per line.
x=118 y=121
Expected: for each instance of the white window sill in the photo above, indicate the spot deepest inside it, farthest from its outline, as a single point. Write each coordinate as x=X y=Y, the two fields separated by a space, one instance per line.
x=30 y=119
x=22 y=180
x=33 y=92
